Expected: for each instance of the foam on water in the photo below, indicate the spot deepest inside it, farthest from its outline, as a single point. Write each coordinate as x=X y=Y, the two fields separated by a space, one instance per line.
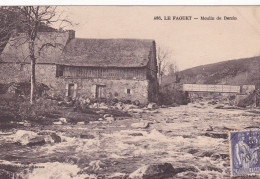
x=58 y=171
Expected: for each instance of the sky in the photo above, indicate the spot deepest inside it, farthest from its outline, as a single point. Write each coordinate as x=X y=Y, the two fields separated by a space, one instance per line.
x=191 y=42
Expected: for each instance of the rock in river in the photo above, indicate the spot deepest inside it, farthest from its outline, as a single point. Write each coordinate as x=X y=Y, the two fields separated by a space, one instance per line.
x=152 y=106
x=31 y=138
x=110 y=119
x=63 y=120
x=55 y=137
x=142 y=125
x=86 y=136
x=39 y=140
x=23 y=137
x=158 y=171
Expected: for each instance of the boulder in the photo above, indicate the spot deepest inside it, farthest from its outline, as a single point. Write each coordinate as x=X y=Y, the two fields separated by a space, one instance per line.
x=38 y=140
x=101 y=111
x=86 y=136
x=136 y=134
x=130 y=106
x=63 y=120
x=95 y=105
x=107 y=115
x=50 y=136
x=68 y=104
x=154 y=111
x=117 y=176
x=55 y=138
x=57 y=123
x=152 y=106
x=103 y=106
x=210 y=128
x=60 y=103
x=21 y=123
x=71 y=160
x=12 y=88
x=174 y=105
x=141 y=125
x=48 y=139
x=219 y=107
x=137 y=102
x=216 y=135
x=110 y=119
x=81 y=123
x=136 y=110
x=88 y=101
x=158 y=171
x=23 y=137
x=119 y=106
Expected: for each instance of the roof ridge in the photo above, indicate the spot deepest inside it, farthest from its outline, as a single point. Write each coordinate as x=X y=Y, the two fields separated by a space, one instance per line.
x=80 y=38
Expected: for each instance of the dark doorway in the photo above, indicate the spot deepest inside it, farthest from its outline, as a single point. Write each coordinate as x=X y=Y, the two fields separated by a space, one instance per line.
x=71 y=91
x=101 y=91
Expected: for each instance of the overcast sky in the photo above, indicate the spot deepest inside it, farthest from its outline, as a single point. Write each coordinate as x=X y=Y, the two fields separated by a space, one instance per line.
x=193 y=43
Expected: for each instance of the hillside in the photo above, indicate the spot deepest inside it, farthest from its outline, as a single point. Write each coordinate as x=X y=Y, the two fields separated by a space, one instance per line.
x=233 y=72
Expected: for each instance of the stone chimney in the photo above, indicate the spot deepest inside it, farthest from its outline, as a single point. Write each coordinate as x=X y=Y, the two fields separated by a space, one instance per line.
x=71 y=34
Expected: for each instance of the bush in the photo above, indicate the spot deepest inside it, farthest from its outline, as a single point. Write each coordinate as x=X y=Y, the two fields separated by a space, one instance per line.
x=3 y=88
x=41 y=108
x=252 y=99
x=23 y=88
x=173 y=97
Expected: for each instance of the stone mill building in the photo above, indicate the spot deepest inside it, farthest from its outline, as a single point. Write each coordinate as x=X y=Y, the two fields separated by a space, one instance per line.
x=125 y=69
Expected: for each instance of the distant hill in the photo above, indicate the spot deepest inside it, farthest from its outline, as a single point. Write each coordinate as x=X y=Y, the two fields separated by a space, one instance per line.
x=233 y=72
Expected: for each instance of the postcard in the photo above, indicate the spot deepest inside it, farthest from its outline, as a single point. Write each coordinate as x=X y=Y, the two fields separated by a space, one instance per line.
x=129 y=91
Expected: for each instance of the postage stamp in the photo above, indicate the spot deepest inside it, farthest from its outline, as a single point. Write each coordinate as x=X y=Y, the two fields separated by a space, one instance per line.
x=244 y=150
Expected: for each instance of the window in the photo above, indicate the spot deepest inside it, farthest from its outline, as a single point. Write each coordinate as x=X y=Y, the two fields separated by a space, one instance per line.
x=128 y=91
x=21 y=67
x=59 y=70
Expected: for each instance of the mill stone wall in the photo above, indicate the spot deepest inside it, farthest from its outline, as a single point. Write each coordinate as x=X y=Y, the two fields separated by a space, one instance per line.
x=46 y=73
x=120 y=89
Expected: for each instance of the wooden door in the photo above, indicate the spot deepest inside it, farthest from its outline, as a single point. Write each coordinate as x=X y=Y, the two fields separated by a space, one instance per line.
x=71 y=90
x=101 y=91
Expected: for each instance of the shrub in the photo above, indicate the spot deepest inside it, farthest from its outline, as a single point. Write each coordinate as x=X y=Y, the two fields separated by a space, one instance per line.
x=173 y=96
x=41 y=108
x=3 y=88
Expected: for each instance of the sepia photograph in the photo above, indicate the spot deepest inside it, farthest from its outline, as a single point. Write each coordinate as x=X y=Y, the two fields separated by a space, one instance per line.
x=129 y=92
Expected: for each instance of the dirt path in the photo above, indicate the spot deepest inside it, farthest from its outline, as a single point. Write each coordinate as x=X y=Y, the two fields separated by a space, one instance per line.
x=192 y=138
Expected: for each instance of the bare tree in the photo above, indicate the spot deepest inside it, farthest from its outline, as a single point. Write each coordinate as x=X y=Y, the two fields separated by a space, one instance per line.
x=163 y=55
x=29 y=20
x=173 y=72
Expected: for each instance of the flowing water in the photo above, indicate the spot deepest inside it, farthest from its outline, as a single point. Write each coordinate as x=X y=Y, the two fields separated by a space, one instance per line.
x=114 y=150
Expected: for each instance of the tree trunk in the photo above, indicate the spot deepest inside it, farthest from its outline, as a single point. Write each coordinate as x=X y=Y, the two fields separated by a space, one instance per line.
x=33 y=81
x=159 y=72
